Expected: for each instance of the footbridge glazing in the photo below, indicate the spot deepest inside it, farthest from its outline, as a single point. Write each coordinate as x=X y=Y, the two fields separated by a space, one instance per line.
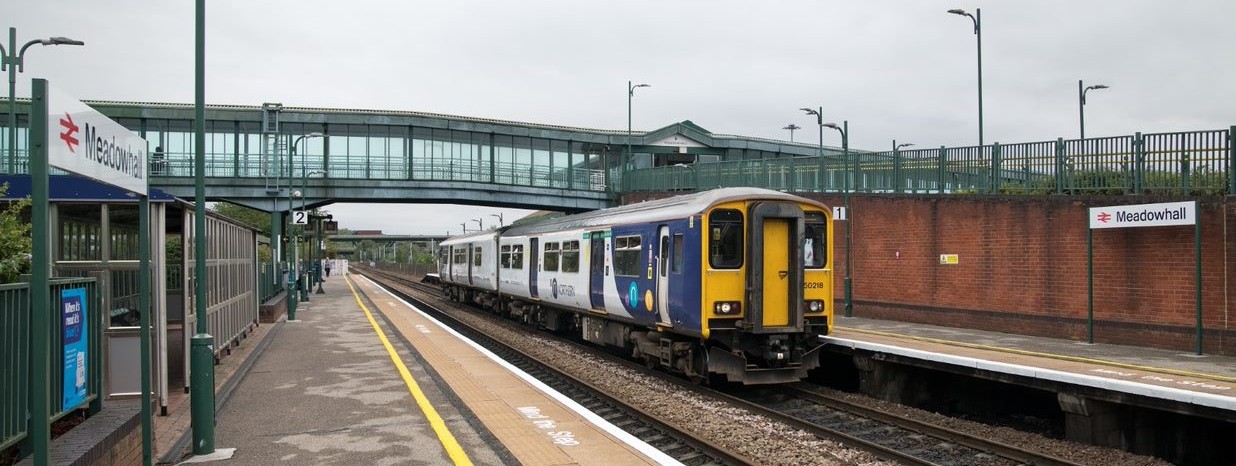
x=255 y=155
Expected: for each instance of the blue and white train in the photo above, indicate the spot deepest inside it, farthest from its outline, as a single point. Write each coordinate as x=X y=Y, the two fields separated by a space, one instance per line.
x=734 y=283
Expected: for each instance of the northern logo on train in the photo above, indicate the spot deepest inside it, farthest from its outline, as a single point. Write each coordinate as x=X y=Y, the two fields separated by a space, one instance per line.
x=553 y=286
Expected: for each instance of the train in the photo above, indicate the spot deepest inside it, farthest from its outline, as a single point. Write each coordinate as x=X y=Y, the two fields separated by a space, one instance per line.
x=726 y=285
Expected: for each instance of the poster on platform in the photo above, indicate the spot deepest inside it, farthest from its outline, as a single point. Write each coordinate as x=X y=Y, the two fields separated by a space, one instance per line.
x=74 y=331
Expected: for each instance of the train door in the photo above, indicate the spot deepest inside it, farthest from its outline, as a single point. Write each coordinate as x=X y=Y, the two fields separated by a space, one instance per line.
x=596 y=270
x=468 y=259
x=534 y=261
x=776 y=266
x=663 y=264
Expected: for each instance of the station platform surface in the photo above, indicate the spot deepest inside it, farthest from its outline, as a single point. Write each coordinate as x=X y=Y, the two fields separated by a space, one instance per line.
x=1208 y=380
x=362 y=378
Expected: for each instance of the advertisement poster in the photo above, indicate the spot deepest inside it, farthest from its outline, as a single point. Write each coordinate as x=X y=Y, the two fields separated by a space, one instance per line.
x=74 y=331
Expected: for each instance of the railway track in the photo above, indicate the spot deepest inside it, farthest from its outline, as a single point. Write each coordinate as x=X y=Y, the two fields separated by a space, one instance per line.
x=803 y=407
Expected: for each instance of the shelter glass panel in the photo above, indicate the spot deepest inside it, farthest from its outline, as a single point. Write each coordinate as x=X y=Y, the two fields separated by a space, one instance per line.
x=80 y=232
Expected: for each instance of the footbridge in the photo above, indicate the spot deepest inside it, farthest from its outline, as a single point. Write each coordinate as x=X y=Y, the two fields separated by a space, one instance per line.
x=270 y=157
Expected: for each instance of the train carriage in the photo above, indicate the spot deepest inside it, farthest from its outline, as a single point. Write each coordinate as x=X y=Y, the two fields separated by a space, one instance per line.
x=733 y=282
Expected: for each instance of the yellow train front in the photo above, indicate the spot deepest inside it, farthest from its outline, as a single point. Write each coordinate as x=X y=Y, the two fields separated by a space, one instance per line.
x=754 y=291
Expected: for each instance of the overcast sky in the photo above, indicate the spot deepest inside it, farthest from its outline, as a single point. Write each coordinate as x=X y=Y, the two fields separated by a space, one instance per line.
x=895 y=69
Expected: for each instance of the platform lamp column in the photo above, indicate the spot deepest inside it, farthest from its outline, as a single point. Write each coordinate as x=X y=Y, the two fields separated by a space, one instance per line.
x=201 y=359
x=627 y=158
x=792 y=127
x=819 y=121
x=977 y=19
x=293 y=272
x=304 y=191
x=897 y=163
x=14 y=62
x=845 y=147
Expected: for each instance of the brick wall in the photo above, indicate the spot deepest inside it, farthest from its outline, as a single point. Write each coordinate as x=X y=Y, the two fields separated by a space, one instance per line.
x=1022 y=267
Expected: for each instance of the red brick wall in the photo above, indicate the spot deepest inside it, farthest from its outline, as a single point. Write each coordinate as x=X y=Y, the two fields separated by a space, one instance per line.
x=1022 y=268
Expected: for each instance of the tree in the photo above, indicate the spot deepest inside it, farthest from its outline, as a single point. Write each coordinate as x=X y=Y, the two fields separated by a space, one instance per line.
x=15 y=243
x=252 y=217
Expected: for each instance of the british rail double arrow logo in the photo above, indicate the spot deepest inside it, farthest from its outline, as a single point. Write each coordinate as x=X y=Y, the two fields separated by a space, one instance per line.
x=68 y=134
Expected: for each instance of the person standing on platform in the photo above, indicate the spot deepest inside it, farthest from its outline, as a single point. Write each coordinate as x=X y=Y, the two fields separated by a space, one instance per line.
x=328 y=261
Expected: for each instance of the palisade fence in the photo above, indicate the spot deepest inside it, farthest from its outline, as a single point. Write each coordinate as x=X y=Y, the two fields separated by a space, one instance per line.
x=15 y=355
x=1189 y=163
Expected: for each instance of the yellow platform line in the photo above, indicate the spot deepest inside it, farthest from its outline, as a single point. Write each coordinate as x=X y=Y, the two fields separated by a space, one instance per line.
x=1162 y=370
x=439 y=426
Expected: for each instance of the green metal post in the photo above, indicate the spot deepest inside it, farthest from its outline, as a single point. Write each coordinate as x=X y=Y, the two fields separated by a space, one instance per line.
x=1089 y=284
x=143 y=305
x=978 y=31
x=819 y=117
x=201 y=361
x=1197 y=271
x=849 y=218
x=996 y=176
x=10 y=59
x=897 y=178
x=40 y=277
x=941 y=159
x=1060 y=166
x=1231 y=161
x=1139 y=166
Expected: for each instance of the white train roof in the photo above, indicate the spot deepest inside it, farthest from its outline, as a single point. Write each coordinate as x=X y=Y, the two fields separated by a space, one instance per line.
x=650 y=211
x=484 y=236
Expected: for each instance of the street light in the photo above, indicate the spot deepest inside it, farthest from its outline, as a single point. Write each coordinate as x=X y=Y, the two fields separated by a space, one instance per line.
x=499 y=215
x=14 y=61
x=792 y=127
x=1081 y=103
x=630 y=95
x=897 y=163
x=819 y=120
x=844 y=129
x=294 y=270
x=304 y=190
x=977 y=18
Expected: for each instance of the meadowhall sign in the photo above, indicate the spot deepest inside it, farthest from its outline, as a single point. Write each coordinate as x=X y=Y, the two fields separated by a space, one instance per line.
x=1144 y=215
x=84 y=142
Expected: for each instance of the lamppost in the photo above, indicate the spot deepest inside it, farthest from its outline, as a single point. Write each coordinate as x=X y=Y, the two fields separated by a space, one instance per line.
x=845 y=148
x=304 y=190
x=499 y=215
x=293 y=271
x=977 y=18
x=14 y=61
x=630 y=94
x=792 y=127
x=1081 y=103
x=819 y=120
x=897 y=162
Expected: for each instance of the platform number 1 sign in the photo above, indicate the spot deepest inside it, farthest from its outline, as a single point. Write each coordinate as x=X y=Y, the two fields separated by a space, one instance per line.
x=300 y=217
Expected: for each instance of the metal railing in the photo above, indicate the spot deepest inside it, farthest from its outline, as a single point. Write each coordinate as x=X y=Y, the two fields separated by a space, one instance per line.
x=1187 y=163
x=14 y=362
x=15 y=355
x=269 y=281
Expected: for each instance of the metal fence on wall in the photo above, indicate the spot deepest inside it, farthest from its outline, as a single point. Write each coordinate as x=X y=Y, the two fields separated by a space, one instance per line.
x=1188 y=163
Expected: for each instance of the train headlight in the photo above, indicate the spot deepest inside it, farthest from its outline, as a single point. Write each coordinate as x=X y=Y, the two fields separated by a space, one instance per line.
x=726 y=307
x=813 y=305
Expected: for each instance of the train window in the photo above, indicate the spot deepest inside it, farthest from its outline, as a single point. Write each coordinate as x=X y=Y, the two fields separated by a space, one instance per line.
x=725 y=241
x=517 y=256
x=570 y=256
x=551 y=257
x=678 y=249
x=476 y=256
x=461 y=255
x=506 y=257
x=626 y=256
x=665 y=253
x=815 y=254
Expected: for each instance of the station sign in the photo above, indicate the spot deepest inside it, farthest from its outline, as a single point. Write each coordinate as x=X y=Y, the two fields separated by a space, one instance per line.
x=1144 y=215
x=84 y=142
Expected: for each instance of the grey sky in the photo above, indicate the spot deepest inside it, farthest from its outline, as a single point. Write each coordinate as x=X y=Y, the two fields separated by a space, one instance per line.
x=901 y=70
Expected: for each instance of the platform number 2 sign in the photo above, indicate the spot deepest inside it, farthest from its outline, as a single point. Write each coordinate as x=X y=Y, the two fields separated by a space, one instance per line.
x=300 y=217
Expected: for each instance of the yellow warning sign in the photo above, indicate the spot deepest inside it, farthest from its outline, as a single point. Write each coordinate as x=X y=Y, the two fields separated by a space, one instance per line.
x=948 y=259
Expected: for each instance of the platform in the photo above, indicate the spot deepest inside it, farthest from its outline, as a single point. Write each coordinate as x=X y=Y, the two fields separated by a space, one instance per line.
x=1205 y=380
x=326 y=390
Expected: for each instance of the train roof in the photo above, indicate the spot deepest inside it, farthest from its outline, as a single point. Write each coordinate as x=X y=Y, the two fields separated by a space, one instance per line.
x=487 y=235
x=650 y=211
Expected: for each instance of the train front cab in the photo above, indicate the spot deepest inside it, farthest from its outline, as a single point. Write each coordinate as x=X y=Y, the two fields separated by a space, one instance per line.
x=767 y=286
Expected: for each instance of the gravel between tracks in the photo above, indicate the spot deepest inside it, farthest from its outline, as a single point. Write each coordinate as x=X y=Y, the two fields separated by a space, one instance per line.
x=757 y=437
